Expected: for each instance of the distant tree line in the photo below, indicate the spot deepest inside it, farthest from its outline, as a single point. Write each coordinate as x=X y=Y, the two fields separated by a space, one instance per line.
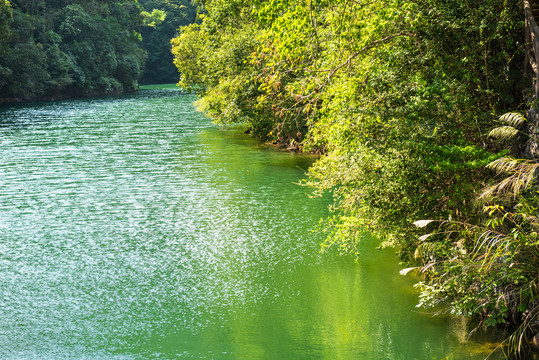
x=58 y=48
x=159 y=68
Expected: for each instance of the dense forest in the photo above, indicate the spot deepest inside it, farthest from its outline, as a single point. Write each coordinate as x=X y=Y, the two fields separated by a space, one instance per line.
x=59 y=48
x=405 y=102
x=159 y=67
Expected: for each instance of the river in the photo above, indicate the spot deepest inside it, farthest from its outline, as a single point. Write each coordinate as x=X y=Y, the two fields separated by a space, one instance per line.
x=133 y=228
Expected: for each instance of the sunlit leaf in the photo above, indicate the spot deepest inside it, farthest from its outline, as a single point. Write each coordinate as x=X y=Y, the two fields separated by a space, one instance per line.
x=405 y=272
x=425 y=237
x=422 y=223
x=513 y=119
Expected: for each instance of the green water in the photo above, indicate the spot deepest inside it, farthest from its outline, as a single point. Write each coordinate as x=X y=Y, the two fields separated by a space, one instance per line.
x=132 y=228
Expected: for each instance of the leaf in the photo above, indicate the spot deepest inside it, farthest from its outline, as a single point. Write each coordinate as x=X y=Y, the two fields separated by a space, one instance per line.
x=405 y=272
x=422 y=223
x=425 y=237
x=504 y=164
x=521 y=176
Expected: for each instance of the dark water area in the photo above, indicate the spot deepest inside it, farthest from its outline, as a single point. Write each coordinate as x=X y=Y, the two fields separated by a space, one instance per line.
x=133 y=228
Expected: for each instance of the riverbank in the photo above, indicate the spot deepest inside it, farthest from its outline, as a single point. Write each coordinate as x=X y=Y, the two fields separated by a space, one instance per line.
x=89 y=96
x=64 y=96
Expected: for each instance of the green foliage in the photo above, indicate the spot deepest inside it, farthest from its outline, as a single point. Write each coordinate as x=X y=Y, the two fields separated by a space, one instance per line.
x=154 y=18
x=58 y=48
x=27 y=64
x=217 y=59
x=171 y=14
x=213 y=59
x=490 y=264
x=489 y=269
x=380 y=93
x=6 y=14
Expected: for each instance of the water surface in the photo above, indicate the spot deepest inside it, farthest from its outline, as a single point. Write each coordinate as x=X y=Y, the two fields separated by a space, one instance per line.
x=132 y=228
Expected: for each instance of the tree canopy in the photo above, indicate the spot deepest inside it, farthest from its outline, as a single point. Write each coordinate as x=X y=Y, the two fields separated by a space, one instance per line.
x=71 y=47
x=57 y=48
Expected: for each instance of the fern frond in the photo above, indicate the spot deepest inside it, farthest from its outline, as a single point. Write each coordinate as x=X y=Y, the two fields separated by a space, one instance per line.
x=513 y=119
x=503 y=132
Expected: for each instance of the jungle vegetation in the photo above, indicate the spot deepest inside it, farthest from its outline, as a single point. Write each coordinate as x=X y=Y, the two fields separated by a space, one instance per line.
x=405 y=102
x=159 y=67
x=67 y=48
x=76 y=47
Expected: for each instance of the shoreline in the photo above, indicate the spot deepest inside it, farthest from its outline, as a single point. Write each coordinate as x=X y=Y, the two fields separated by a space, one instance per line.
x=20 y=100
